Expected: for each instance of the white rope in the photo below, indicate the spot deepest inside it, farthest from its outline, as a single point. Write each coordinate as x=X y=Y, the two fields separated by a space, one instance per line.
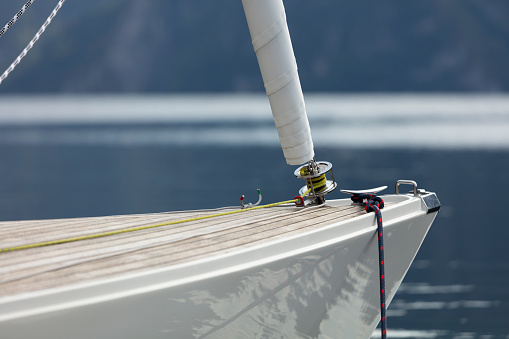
x=32 y=42
x=16 y=17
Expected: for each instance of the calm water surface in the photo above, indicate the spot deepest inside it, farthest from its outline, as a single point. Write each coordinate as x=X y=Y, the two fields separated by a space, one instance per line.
x=458 y=284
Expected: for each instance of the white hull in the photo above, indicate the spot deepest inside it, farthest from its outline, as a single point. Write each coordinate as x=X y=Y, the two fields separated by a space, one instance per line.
x=317 y=284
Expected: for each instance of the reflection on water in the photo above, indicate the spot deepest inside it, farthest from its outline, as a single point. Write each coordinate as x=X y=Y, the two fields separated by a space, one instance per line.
x=461 y=309
x=399 y=333
x=398 y=121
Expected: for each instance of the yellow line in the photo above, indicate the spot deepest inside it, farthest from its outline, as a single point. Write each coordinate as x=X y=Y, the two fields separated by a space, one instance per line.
x=105 y=234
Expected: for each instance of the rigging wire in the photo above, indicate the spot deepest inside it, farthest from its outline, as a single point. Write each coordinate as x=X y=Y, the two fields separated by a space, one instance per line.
x=32 y=42
x=16 y=17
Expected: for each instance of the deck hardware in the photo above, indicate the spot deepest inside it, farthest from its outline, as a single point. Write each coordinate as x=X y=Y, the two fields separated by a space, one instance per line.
x=407 y=182
x=431 y=202
x=250 y=204
x=314 y=173
x=368 y=191
x=429 y=199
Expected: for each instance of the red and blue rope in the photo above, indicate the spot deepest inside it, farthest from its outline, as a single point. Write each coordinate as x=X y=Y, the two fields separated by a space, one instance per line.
x=372 y=203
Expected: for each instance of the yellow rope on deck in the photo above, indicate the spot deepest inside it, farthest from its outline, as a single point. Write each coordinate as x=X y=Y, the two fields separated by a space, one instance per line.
x=140 y=228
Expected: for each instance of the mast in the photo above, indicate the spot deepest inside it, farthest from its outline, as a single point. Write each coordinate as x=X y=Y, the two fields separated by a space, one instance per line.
x=274 y=50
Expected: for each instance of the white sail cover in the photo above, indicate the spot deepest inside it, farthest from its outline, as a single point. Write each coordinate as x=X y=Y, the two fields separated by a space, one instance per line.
x=273 y=47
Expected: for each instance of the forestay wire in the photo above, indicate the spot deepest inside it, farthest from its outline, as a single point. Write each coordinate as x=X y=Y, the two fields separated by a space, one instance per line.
x=16 y=17
x=34 y=39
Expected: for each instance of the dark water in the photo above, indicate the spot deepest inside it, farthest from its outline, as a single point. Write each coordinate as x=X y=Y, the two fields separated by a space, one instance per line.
x=457 y=287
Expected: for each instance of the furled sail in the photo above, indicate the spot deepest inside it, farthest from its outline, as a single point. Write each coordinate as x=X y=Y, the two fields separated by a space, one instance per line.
x=273 y=47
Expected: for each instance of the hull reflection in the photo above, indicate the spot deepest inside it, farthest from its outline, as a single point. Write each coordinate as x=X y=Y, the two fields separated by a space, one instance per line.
x=310 y=297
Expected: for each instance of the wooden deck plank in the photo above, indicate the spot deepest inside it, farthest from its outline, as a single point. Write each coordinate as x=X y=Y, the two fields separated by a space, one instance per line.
x=58 y=230
x=111 y=245
x=52 y=266
x=177 y=232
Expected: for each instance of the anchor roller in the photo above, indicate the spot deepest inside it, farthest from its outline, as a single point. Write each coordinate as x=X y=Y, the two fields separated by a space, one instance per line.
x=317 y=184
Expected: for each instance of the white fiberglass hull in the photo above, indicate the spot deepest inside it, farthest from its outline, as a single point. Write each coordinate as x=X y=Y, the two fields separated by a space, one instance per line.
x=318 y=284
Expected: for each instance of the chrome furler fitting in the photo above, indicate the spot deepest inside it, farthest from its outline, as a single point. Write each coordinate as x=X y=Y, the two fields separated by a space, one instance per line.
x=317 y=185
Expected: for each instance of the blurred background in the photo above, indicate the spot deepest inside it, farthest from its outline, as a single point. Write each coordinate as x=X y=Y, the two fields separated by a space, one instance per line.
x=195 y=46
x=146 y=106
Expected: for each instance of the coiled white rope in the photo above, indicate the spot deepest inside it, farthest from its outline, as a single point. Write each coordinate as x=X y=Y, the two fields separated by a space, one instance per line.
x=32 y=42
x=16 y=17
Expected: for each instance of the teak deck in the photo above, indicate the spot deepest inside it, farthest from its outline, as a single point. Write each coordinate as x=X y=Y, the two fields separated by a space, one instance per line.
x=52 y=266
